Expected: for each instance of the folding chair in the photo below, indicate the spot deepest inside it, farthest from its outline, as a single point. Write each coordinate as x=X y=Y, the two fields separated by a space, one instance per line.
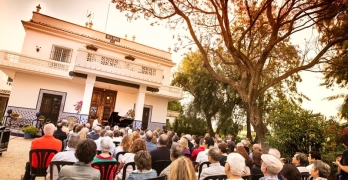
x=125 y=169
x=43 y=156
x=216 y=177
x=107 y=169
x=118 y=154
x=201 y=166
x=59 y=165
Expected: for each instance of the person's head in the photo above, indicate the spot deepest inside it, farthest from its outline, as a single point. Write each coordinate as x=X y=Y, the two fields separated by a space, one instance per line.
x=135 y=135
x=176 y=151
x=65 y=122
x=142 y=160
x=270 y=165
x=214 y=155
x=256 y=147
x=106 y=144
x=109 y=133
x=231 y=145
x=97 y=130
x=257 y=158
x=102 y=132
x=223 y=148
x=320 y=169
x=175 y=138
x=163 y=140
x=78 y=128
x=290 y=172
x=107 y=128
x=85 y=130
x=182 y=168
x=83 y=135
x=235 y=165
x=338 y=157
x=88 y=126
x=148 y=135
x=183 y=142
x=59 y=125
x=208 y=142
x=73 y=140
x=274 y=152
x=314 y=155
x=126 y=143
x=49 y=129
x=241 y=150
x=299 y=159
x=344 y=140
x=116 y=133
x=138 y=145
x=86 y=150
x=197 y=141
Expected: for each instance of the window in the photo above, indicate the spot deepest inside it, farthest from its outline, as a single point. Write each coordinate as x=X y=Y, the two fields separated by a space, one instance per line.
x=60 y=53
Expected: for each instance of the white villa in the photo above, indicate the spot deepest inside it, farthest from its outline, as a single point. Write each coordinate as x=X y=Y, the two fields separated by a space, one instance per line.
x=62 y=63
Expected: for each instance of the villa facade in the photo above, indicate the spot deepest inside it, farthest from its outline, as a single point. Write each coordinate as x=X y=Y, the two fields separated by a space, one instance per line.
x=62 y=63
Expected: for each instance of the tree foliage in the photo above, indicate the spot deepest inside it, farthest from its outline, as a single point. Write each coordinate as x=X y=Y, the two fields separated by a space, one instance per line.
x=294 y=129
x=250 y=38
x=211 y=99
x=175 y=106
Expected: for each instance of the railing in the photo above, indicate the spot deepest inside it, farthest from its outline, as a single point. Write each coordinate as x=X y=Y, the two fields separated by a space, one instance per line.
x=21 y=59
x=127 y=68
x=170 y=91
x=120 y=64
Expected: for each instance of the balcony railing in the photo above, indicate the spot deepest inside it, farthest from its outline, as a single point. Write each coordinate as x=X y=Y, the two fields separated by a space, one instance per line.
x=170 y=91
x=16 y=60
x=120 y=67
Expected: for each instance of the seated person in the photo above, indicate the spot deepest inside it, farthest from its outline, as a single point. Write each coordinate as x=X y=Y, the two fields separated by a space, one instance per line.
x=235 y=166
x=85 y=152
x=290 y=172
x=300 y=160
x=256 y=168
x=320 y=170
x=182 y=168
x=106 y=145
x=215 y=168
x=142 y=160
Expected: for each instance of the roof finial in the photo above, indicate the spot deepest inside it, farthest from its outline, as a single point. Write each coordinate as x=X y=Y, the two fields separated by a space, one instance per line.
x=90 y=17
x=133 y=37
x=38 y=7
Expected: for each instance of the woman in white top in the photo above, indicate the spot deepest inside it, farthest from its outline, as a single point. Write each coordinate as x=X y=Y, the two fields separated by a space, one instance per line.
x=234 y=167
x=124 y=146
x=138 y=145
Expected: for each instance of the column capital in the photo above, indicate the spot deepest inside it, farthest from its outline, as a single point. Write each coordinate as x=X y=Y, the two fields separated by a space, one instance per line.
x=90 y=78
x=142 y=89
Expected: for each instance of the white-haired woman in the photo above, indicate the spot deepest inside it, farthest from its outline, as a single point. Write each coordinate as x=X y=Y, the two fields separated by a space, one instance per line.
x=106 y=146
x=235 y=166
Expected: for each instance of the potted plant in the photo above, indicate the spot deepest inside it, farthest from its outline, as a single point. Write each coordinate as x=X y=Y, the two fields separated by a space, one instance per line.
x=14 y=116
x=29 y=131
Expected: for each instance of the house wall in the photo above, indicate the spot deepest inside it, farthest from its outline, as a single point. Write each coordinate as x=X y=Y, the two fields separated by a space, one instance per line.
x=26 y=90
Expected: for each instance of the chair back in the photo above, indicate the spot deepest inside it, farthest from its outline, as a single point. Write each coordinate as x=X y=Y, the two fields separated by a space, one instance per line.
x=59 y=165
x=248 y=177
x=160 y=165
x=305 y=176
x=107 y=169
x=116 y=143
x=125 y=169
x=216 y=177
x=158 y=178
x=256 y=176
x=118 y=154
x=42 y=156
x=201 y=167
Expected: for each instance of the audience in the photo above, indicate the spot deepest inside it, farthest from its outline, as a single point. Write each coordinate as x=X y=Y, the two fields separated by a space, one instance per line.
x=124 y=146
x=290 y=172
x=270 y=166
x=320 y=170
x=161 y=152
x=256 y=168
x=198 y=150
x=184 y=143
x=60 y=134
x=235 y=166
x=241 y=150
x=182 y=168
x=313 y=155
x=82 y=169
x=148 y=141
x=176 y=151
x=300 y=160
x=224 y=149
x=214 y=156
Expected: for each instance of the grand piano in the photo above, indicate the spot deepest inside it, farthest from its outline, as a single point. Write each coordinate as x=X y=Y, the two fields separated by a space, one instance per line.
x=120 y=121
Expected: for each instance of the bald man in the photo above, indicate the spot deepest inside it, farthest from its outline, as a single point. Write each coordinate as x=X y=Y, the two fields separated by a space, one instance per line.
x=45 y=142
x=161 y=152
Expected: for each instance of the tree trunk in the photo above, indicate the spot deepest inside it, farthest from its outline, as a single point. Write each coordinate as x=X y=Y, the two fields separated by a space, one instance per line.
x=248 y=128
x=210 y=127
x=259 y=127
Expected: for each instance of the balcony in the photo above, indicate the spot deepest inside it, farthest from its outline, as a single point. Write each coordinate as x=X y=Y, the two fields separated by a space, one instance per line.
x=21 y=62
x=125 y=70
x=170 y=91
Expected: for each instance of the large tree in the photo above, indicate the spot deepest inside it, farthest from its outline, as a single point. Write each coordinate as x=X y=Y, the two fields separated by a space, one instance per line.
x=247 y=36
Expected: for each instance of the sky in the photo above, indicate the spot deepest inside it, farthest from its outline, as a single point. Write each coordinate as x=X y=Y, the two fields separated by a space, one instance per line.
x=12 y=34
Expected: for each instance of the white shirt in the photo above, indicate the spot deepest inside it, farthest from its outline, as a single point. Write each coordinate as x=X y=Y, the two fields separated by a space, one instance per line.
x=126 y=158
x=117 y=139
x=309 y=167
x=202 y=156
x=117 y=150
x=68 y=155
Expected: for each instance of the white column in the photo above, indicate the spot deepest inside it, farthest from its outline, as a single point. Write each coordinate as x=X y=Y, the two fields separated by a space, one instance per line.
x=87 y=95
x=139 y=105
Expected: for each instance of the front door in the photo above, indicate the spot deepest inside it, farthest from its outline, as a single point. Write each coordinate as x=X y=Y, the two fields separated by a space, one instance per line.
x=102 y=105
x=50 y=106
x=145 y=119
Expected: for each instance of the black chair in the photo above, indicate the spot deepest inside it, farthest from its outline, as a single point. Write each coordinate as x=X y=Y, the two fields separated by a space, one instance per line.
x=160 y=165
x=305 y=176
x=116 y=143
x=118 y=155
x=158 y=178
x=106 y=169
x=59 y=165
x=217 y=177
x=247 y=177
x=42 y=160
x=201 y=166
x=256 y=176
x=125 y=169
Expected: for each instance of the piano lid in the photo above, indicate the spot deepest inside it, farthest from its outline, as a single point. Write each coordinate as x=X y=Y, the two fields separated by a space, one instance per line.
x=120 y=121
